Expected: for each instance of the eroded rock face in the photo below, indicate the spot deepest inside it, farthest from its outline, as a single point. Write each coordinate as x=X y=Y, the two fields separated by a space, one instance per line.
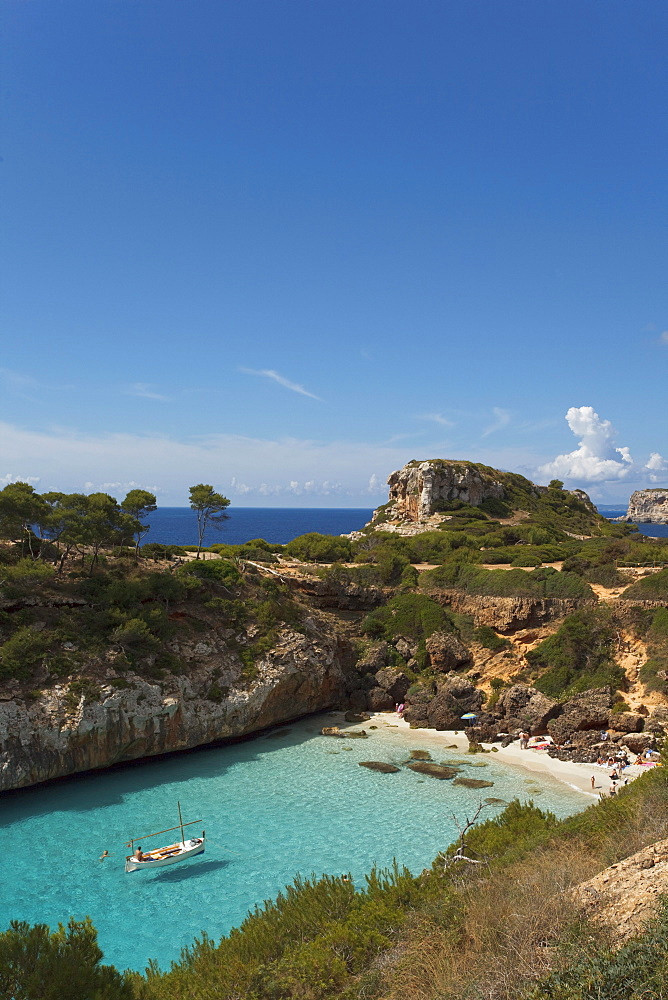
x=423 y=488
x=447 y=652
x=510 y=614
x=648 y=506
x=589 y=710
x=395 y=682
x=47 y=738
x=524 y=708
x=455 y=696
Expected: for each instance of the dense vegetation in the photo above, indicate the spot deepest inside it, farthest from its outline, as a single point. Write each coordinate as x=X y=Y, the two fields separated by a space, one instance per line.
x=579 y=655
x=505 y=928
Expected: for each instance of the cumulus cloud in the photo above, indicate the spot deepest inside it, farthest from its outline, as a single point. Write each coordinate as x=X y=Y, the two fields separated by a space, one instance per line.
x=597 y=459
x=655 y=465
x=285 y=382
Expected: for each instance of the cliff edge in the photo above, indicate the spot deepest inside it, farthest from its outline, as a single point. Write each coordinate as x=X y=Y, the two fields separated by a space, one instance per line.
x=648 y=507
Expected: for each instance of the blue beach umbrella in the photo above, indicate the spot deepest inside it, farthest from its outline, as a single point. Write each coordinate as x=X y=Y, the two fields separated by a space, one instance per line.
x=470 y=715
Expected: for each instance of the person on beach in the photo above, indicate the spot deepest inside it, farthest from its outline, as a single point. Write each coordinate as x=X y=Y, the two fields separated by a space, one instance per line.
x=593 y=782
x=613 y=790
x=524 y=741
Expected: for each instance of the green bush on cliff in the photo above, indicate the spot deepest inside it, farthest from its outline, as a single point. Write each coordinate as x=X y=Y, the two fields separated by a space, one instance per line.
x=313 y=547
x=21 y=654
x=542 y=582
x=578 y=656
x=652 y=588
x=414 y=616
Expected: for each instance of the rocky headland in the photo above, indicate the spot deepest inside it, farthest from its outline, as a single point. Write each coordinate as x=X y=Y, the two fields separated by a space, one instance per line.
x=648 y=507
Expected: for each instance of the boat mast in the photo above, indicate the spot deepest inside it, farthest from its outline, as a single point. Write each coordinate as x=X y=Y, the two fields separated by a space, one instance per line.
x=183 y=839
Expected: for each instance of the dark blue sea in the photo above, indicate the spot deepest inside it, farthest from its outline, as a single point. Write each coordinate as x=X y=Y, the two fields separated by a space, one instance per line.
x=651 y=530
x=178 y=525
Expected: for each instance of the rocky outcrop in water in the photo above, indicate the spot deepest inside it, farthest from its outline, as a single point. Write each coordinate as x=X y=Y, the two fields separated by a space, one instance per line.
x=126 y=717
x=648 y=507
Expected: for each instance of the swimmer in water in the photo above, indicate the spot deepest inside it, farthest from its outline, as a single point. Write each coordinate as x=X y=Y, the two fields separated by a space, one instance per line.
x=105 y=855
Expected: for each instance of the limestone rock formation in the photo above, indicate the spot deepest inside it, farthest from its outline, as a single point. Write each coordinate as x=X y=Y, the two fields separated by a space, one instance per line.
x=648 y=507
x=589 y=710
x=524 y=708
x=447 y=652
x=625 y=896
x=395 y=682
x=421 y=489
x=53 y=735
x=455 y=696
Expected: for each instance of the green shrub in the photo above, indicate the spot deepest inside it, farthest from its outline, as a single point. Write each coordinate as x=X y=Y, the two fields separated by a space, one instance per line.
x=212 y=570
x=25 y=576
x=488 y=638
x=651 y=588
x=542 y=582
x=314 y=547
x=578 y=656
x=415 y=616
x=23 y=653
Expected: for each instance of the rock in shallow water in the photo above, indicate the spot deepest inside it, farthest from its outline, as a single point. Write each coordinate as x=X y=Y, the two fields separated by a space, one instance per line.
x=379 y=765
x=473 y=783
x=433 y=770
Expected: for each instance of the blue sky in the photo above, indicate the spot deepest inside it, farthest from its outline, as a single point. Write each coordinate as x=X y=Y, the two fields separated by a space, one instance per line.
x=284 y=247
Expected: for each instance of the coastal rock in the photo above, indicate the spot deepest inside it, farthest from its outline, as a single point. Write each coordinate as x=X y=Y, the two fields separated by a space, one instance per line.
x=510 y=614
x=473 y=782
x=395 y=682
x=627 y=722
x=588 y=710
x=56 y=734
x=379 y=765
x=455 y=696
x=433 y=770
x=421 y=489
x=374 y=659
x=378 y=700
x=521 y=707
x=446 y=651
x=627 y=895
x=639 y=742
x=648 y=507
x=657 y=720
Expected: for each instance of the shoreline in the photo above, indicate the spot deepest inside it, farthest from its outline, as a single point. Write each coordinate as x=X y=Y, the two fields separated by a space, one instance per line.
x=576 y=776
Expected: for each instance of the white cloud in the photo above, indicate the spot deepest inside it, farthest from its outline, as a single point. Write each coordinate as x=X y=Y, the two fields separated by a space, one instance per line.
x=237 y=465
x=663 y=337
x=285 y=382
x=11 y=478
x=656 y=464
x=596 y=459
x=436 y=418
x=502 y=419
x=145 y=391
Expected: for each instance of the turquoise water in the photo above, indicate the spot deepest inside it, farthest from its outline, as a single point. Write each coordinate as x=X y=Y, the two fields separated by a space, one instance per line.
x=288 y=801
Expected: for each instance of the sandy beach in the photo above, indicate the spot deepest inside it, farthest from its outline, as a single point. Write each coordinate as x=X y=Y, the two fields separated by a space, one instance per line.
x=577 y=776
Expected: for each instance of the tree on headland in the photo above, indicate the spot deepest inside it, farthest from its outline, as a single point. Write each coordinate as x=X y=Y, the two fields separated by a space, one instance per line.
x=210 y=508
x=137 y=504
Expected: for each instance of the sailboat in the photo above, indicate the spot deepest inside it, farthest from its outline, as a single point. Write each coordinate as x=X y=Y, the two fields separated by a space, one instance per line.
x=169 y=855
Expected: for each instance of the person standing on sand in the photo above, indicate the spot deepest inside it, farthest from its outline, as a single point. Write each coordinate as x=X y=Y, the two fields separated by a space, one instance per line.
x=593 y=782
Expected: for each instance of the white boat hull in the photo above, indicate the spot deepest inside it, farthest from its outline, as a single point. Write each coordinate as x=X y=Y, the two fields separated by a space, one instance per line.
x=170 y=855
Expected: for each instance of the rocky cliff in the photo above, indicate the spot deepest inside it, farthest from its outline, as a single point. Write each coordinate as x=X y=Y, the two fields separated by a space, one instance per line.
x=125 y=717
x=648 y=506
x=421 y=489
